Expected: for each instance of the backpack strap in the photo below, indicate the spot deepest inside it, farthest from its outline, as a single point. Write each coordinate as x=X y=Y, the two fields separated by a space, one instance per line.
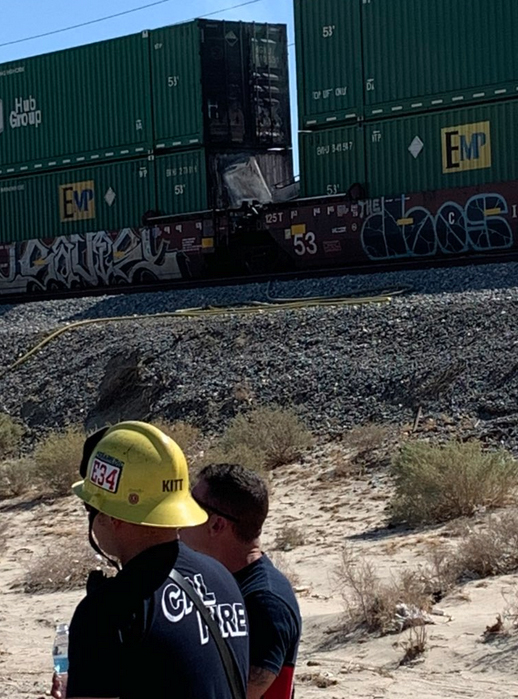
x=229 y=661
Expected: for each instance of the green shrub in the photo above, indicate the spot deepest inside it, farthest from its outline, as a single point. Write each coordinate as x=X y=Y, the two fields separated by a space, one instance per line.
x=57 y=458
x=439 y=483
x=275 y=433
x=11 y=433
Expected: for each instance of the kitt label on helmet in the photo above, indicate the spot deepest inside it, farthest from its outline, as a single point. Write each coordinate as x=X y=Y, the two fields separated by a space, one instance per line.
x=172 y=486
x=466 y=147
x=77 y=201
x=105 y=475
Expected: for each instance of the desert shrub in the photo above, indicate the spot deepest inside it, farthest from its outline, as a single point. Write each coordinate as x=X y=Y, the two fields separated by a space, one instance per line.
x=185 y=435
x=57 y=458
x=438 y=483
x=63 y=568
x=372 y=604
x=11 y=433
x=367 y=438
x=16 y=477
x=289 y=538
x=281 y=562
x=241 y=454
x=275 y=432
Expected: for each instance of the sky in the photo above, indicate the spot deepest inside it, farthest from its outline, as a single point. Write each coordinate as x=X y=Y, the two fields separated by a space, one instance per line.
x=25 y=18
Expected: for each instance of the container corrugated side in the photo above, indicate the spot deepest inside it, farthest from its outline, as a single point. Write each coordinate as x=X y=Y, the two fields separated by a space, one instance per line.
x=77 y=106
x=104 y=197
x=329 y=70
x=177 y=86
x=181 y=180
x=331 y=160
x=453 y=148
x=430 y=54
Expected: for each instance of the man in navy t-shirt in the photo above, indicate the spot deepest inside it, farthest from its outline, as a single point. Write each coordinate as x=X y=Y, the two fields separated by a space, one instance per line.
x=139 y=634
x=236 y=501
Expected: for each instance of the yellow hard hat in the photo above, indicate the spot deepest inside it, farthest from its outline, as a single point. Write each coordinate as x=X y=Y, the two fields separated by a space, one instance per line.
x=134 y=472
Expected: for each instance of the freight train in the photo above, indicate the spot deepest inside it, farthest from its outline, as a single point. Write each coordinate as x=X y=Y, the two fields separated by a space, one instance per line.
x=167 y=155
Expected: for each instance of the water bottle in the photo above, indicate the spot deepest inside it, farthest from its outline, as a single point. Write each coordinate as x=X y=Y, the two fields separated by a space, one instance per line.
x=60 y=650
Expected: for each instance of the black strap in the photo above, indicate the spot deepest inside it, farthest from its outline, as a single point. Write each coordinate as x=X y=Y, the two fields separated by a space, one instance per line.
x=229 y=661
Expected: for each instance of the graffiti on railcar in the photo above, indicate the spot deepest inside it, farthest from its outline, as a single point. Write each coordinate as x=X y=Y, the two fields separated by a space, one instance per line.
x=401 y=230
x=101 y=259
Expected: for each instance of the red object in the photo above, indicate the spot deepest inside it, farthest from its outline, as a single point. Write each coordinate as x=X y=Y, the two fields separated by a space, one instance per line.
x=282 y=688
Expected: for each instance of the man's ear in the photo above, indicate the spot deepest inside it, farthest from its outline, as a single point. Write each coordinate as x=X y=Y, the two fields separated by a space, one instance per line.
x=217 y=525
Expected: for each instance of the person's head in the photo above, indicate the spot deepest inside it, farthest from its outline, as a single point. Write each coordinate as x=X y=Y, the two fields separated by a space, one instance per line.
x=236 y=500
x=135 y=486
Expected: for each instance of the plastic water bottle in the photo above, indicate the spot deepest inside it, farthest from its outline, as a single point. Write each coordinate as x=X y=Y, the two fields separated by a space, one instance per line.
x=60 y=649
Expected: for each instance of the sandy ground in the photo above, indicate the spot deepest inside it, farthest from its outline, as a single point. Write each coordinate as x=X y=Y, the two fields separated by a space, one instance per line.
x=330 y=512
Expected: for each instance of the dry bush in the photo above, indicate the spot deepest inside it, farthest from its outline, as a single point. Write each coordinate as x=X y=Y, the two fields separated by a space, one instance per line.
x=185 y=435
x=281 y=562
x=3 y=536
x=275 y=432
x=65 y=567
x=289 y=538
x=57 y=458
x=370 y=603
x=243 y=455
x=439 y=483
x=11 y=433
x=491 y=550
x=16 y=477
x=368 y=441
x=415 y=645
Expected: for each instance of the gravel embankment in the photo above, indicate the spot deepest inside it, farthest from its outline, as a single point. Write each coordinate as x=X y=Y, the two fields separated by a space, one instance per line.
x=449 y=347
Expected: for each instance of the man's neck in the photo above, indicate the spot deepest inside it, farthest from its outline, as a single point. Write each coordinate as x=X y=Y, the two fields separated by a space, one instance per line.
x=237 y=558
x=137 y=546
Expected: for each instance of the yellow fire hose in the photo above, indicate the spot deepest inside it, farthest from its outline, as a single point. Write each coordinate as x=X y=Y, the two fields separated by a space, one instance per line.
x=279 y=304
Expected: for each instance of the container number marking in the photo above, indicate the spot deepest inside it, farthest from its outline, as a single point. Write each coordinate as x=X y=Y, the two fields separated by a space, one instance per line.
x=272 y=219
x=305 y=244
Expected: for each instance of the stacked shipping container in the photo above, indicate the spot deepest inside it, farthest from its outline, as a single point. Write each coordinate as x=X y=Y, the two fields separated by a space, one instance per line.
x=394 y=78
x=94 y=137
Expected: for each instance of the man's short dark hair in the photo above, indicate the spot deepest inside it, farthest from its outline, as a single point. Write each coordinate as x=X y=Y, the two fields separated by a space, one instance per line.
x=241 y=493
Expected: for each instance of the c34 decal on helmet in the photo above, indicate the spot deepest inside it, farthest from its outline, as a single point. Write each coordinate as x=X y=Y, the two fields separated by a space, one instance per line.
x=106 y=473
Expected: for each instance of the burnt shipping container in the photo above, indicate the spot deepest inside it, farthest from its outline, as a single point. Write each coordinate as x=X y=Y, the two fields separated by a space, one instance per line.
x=199 y=179
x=221 y=84
x=104 y=197
x=76 y=107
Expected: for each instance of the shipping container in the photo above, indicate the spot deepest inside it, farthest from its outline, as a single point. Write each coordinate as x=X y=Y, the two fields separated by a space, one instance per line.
x=442 y=150
x=200 y=179
x=331 y=160
x=104 y=197
x=430 y=54
x=221 y=83
x=75 y=107
x=329 y=66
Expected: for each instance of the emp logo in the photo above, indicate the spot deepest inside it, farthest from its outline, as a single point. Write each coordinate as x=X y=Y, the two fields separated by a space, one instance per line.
x=466 y=147
x=77 y=201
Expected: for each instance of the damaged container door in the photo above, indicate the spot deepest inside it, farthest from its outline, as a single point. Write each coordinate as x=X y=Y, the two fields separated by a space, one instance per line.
x=82 y=200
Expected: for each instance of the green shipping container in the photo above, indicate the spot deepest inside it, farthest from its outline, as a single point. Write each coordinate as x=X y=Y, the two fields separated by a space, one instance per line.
x=104 y=197
x=181 y=180
x=441 y=150
x=76 y=106
x=331 y=160
x=423 y=54
x=329 y=71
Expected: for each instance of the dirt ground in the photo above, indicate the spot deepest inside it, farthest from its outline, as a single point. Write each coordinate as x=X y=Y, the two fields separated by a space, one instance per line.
x=330 y=511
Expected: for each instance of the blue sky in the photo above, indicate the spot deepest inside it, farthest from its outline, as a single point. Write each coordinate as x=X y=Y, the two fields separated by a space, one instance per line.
x=25 y=18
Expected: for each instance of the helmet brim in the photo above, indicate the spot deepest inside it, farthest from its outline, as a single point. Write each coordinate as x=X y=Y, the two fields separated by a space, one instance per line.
x=172 y=512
